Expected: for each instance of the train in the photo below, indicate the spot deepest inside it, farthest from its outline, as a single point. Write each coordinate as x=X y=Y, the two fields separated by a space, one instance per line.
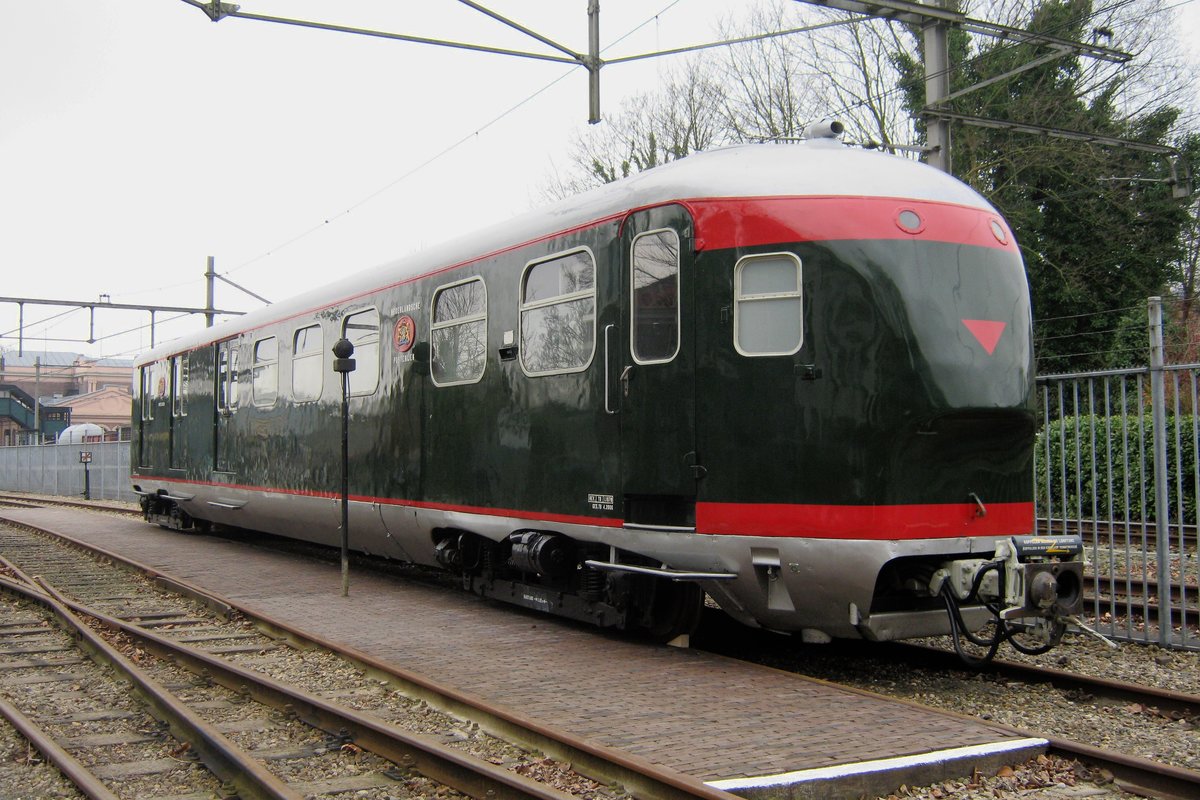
x=792 y=379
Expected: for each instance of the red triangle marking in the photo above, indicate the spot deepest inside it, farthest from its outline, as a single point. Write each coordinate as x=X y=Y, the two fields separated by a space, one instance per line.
x=986 y=332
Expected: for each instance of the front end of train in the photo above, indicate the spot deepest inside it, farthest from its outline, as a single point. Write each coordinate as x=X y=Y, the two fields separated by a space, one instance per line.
x=877 y=482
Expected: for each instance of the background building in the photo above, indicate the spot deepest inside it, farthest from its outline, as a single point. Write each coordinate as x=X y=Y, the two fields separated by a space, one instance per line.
x=71 y=389
x=16 y=414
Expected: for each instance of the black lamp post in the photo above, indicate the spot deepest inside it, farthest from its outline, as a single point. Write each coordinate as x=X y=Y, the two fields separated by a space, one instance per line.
x=344 y=364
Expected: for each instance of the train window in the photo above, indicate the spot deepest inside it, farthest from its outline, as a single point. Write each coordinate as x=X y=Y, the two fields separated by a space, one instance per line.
x=179 y=385
x=227 y=377
x=223 y=377
x=459 y=333
x=307 y=363
x=159 y=388
x=362 y=329
x=234 y=375
x=265 y=381
x=768 y=307
x=558 y=314
x=147 y=393
x=655 y=292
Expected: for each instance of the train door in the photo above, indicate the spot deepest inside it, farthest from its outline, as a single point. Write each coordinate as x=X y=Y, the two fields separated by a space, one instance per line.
x=155 y=439
x=656 y=386
x=179 y=409
x=225 y=400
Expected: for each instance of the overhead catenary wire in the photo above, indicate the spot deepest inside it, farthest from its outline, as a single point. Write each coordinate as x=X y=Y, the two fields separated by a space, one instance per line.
x=355 y=206
x=8 y=334
x=904 y=85
x=445 y=151
x=409 y=173
x=427 y=162
x=458 y=143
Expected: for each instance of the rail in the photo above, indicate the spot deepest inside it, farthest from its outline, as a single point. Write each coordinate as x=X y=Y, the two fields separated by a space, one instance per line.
x=428 y=756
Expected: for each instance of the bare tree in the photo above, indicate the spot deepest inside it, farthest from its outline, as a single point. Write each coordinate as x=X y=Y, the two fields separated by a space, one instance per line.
x=771 y=88
x=846 y=71
x=680 y=118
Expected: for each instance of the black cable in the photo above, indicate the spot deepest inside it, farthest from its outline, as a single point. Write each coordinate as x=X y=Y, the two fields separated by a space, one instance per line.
x=958 y=630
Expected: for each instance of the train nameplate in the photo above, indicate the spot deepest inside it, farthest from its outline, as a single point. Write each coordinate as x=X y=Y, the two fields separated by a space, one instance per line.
x=601 y=502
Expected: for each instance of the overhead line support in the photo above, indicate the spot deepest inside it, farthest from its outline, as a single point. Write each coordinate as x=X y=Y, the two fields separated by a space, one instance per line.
x=593 y=62
x=920 y=14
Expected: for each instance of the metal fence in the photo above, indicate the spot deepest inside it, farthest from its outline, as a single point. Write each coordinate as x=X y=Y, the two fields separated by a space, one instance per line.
x=1116 y=463
x=57 y=469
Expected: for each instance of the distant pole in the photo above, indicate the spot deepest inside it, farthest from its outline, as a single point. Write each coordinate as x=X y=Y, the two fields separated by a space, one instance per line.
x=85 y=458
x=593 y=61
x=343 y=364
x=1162 y=508
x=37 y=402
x=937 y=87
x=209 y=308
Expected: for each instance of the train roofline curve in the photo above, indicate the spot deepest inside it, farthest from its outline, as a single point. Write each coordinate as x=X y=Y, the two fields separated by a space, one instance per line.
x=823 y=168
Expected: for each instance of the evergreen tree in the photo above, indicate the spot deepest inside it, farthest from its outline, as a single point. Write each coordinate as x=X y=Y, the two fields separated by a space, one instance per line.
x=1098 y=226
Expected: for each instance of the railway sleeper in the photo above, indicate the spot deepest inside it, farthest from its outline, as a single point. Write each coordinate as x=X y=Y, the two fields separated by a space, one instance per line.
x=547 y=571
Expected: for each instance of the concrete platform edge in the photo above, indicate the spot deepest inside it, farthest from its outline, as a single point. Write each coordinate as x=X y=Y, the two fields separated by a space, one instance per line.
x=881 y=776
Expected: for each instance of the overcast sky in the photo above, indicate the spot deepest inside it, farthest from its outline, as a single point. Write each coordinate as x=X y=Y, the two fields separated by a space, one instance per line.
x=137 y=138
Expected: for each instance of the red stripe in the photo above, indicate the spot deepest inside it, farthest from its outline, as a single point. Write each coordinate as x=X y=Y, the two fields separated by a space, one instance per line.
x=725 y=223
x=537 y=516
x=924 y=521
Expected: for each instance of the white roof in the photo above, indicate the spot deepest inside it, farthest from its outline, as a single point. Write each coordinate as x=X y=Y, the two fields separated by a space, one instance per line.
x=814 y=168
x=73 y=434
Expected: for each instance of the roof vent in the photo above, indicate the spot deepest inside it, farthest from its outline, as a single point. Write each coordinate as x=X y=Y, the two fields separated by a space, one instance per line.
x=825 y=129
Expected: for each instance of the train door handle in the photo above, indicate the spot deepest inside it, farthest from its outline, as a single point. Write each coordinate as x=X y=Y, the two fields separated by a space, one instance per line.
x=608 y=409
x=625 y=376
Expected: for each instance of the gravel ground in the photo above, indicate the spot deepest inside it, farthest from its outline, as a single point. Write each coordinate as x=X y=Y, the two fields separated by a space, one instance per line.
x=1129 y=728
x=313 y=670
x=92 y=702
x=1133 y=729
x=1147 y=665
x=24 y=774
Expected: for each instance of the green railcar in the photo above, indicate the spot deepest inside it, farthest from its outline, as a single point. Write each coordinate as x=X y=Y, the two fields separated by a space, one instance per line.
x=795 y=378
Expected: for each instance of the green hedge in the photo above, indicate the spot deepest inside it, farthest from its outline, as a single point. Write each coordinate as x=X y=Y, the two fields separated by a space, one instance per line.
x=1118 y=452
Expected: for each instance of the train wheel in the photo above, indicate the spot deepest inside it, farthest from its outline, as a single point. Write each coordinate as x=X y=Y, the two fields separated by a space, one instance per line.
x=675 y=610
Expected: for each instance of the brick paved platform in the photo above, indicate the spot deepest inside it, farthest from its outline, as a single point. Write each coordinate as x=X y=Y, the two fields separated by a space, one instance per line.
x=748 y=729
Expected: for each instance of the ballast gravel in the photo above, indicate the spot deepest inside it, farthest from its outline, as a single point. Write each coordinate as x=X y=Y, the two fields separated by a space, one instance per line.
x=24 y=773
x=1129 y=728
x=1136 y=730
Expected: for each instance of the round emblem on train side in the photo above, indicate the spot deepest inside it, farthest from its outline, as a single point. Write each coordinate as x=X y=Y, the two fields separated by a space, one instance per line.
x=909 y=221
x=405 y=334
x=998 y=232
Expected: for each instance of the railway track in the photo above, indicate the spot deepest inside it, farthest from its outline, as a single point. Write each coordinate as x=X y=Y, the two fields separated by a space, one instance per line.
x=1138 y=774
x=1118 y=531
x=289 y=743
x=347 y=719
x=1123 y=595
x=16 y=500
x=862 y=664
x=1151 y=777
